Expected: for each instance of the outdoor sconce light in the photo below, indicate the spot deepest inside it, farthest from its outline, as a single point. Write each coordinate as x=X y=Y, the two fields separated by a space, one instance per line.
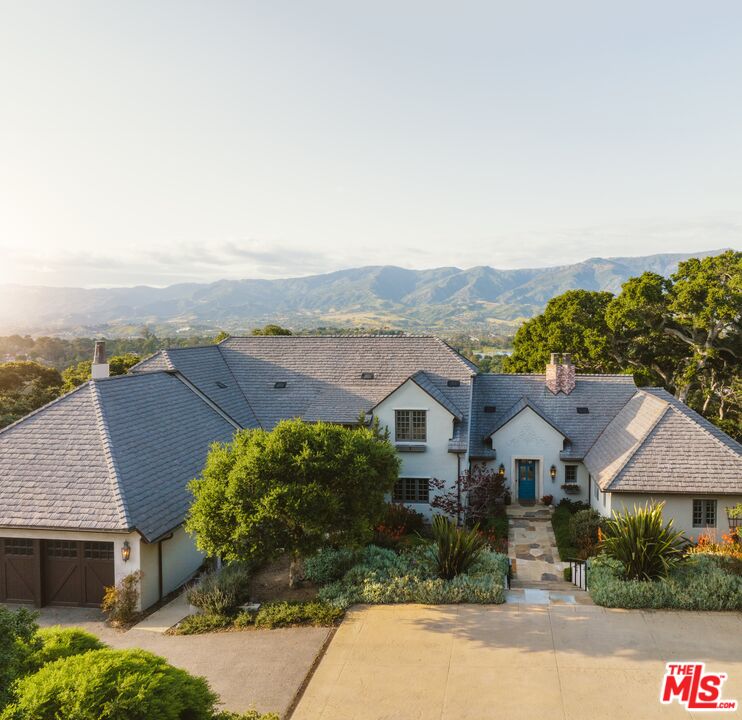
x=125 y=551
x=552 y=472
x=501 y=470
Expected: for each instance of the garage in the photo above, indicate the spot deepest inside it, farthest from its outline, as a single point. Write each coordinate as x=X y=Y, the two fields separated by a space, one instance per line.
x=55 y=572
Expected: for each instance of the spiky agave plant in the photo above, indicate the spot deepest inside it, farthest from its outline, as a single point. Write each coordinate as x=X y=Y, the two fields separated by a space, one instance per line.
x=457 y=548
x=647 y=548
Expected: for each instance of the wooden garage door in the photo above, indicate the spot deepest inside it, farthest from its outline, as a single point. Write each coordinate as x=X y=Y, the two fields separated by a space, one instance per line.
x=19 y=563
x=75 y=573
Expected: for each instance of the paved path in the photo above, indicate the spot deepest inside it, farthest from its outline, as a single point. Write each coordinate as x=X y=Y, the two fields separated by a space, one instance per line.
x=263 y=669
x=515 y=662
x=532 y=545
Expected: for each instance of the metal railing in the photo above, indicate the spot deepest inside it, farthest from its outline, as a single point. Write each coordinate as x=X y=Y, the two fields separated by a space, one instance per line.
x=578 y=572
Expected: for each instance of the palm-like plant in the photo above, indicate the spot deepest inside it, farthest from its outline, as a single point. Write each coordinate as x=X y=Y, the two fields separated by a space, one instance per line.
x=457 y=548
x=647 y=548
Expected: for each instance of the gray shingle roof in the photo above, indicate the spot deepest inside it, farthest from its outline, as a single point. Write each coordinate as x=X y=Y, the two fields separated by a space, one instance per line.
x=604 y=395
x=677 y=451
x=113 y=455
x=323 y=374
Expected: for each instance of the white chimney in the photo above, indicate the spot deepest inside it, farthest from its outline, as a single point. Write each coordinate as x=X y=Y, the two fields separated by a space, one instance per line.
x=100 y=367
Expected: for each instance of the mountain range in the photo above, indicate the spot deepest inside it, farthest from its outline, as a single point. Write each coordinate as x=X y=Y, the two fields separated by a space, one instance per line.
x=439 y=299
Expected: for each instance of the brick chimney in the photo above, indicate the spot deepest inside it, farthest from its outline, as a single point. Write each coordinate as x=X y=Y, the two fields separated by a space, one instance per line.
x=560 y=374
x=100 y=367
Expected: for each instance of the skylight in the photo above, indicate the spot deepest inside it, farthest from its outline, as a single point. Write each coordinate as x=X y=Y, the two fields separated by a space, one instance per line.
x=582 y=410
x=220 y=384
x=490 y=408
x=454 y=383
x=279 y=385
x=367 y=376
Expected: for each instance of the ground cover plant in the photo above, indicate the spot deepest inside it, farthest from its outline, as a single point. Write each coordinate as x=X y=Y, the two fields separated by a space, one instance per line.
x=560 y=522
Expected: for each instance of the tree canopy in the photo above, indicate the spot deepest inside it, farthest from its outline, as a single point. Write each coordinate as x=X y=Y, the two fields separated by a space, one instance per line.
x=271 y=330
x=80 y=373
x=297 y=488
x=24 y=387
x=682 y=333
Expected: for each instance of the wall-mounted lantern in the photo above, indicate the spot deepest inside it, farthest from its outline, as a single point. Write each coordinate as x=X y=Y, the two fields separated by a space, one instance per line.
x=501 y=470
x=125 y=551
x=553 y=472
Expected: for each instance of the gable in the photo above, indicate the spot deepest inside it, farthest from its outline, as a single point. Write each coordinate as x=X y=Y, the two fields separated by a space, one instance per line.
x=527 y=431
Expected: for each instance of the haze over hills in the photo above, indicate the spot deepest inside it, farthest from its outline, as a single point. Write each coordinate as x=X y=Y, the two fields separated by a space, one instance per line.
x=446 y=298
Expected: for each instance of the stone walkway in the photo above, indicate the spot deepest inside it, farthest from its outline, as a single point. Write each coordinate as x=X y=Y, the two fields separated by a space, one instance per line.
x=531 y=544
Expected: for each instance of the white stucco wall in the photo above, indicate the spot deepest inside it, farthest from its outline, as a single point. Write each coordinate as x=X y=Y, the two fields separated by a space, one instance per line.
x=150 y=583
x=435 y=461
x=528 y=437
x=680 y=508
x=180 y=559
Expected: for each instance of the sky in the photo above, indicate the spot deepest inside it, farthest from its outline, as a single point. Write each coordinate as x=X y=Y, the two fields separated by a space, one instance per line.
x=154 y=142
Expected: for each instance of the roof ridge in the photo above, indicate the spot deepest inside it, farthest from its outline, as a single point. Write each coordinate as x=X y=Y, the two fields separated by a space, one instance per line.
x=43 y=407
x=638 y=443
x=237 y=382
x=105 y=436
x=467 y=363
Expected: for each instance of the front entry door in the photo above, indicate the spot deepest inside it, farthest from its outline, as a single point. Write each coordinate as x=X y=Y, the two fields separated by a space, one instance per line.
x=526 y=479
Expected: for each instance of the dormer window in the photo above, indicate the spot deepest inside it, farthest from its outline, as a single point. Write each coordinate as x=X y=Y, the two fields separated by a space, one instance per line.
x=280 y=385
x=410 y=425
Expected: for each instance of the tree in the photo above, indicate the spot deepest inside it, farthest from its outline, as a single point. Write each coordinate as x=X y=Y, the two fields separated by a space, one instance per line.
x=80 y=373
x=221 y=335
x=24 y=387
x=478 y=494
x=297 y=488
x=271 y=330
x=572 y=322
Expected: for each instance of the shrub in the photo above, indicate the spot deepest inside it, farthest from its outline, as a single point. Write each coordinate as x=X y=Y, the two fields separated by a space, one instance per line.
x=112 y=684
x=560 y=520
x=18 y=641
x=646 y=548
x=120 y=601
x=329 y=564
x=572 y=506
x=202 y=623
x=699 y=584
x=221 y=591
x=584 y=530
x=547 y=500
x=456 y=548
x=283 y=614
x=244 y=620
x=58 y=642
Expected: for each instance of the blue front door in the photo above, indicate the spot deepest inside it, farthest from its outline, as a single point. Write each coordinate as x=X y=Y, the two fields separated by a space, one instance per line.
x=526 y=479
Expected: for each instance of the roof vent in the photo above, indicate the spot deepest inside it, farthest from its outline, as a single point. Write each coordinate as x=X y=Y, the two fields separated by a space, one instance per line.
x=582 y=410
x=279 y=385
x=220 y=384
x=367 y=376
x=490 y=408
x=454 y=383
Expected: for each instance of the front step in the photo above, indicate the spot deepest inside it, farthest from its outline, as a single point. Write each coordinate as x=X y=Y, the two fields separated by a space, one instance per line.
x=561 y=586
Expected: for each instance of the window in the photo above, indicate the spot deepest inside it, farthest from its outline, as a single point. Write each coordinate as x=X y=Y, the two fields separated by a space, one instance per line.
x=98 y=551
x=490 y=408
x=411 y=490
x=410 y=425
x=454 y=383
x=367 y=376
x=280 y=385
x=61 y=548
x=582 y=410
x=570 y=473
x=704 y=513
x=18 y=546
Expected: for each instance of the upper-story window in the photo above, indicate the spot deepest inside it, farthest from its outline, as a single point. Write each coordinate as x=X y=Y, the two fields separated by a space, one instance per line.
x=570 y=473
x=410 y=425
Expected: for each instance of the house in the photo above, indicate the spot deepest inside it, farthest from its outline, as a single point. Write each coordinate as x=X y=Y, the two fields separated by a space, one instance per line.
x=93 y=486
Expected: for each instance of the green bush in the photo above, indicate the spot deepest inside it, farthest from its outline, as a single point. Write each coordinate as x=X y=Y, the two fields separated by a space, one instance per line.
x=383 y=576
x=572 y=506
x=111 y=685
x=58 y=642
x=202 y=623
x=120 y=601
x=584 y=527
x=244 y=620
x=283 y=614
x=456 y=548
x=329 y=564
x=560 y=520
x=18 y=642
x=220 y=591
x=646 y=548
x=697 y=584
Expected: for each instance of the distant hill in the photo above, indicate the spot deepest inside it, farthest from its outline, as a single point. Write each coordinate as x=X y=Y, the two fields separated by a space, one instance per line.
x=446 y=298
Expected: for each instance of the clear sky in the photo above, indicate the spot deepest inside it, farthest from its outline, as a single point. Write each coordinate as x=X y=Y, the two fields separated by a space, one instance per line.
x=150 y=141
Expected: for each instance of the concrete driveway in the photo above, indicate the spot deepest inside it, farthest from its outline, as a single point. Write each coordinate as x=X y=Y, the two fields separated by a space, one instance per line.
x=515 y=661
x=263 y=669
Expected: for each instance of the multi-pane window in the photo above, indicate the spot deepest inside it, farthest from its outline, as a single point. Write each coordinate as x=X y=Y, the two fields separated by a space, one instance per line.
x=410 y=425
x=411 y=490
x=570 y=473
x=98 y=551
x=18 y=546
x=61 y=548
x=704 y=513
